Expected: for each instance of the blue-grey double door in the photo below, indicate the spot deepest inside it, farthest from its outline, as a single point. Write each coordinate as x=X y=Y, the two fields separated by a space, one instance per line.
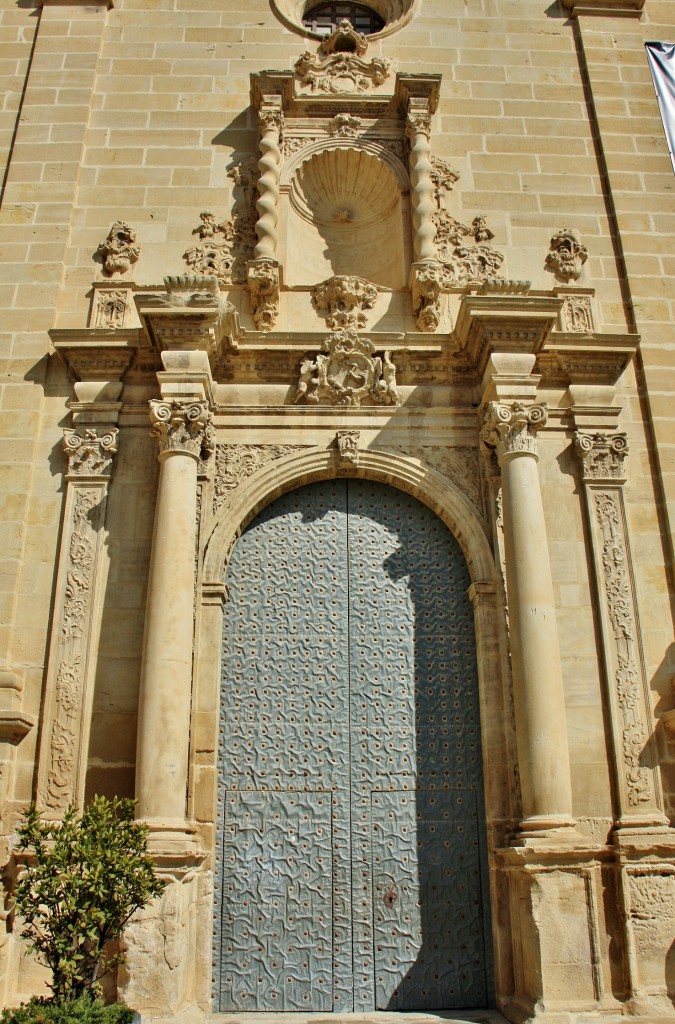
x=351 y=868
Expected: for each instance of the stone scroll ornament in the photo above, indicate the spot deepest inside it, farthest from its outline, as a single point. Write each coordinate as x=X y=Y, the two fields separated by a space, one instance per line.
x=120 y=249
x=566 y=256
x=183 y=426
x=349 y=372
x=511 y=428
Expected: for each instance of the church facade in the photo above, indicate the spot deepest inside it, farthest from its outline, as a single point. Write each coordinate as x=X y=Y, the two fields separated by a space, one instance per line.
x=338 y=491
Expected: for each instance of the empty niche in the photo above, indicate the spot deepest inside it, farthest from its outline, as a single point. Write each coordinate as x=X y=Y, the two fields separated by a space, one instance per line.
x=346 y=215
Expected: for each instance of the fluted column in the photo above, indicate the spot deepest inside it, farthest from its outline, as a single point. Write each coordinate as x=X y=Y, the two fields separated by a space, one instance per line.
x=418 y=130
x=269 y=165
x=543 y=755
x=183 y=428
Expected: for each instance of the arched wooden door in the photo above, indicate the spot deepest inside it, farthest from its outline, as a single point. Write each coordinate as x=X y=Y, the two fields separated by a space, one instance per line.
x=351 y=866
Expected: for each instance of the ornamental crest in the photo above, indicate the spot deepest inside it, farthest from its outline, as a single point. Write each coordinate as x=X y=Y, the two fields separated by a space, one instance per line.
x=349 y=373
x=341 y=72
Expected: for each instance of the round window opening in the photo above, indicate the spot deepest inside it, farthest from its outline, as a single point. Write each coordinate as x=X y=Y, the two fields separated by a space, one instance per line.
x=323 y=19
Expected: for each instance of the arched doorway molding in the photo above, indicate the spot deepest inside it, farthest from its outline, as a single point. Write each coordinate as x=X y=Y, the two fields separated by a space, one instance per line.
x=308 y=465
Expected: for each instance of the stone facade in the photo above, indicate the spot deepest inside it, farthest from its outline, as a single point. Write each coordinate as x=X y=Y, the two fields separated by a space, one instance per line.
x=438 y=258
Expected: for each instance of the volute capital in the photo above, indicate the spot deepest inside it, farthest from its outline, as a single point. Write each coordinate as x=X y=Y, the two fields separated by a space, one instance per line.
x=510 y=427
x=183 y=426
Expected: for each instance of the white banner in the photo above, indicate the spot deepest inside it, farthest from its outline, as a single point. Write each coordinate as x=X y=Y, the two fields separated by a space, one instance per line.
x=661 y=58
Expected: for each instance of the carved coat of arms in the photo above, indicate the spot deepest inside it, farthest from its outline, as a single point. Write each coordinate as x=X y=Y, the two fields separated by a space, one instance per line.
x=349 y=373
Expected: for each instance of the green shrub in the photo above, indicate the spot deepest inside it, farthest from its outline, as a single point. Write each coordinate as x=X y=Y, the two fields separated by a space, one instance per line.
x=83 y=1010
x=85 y=878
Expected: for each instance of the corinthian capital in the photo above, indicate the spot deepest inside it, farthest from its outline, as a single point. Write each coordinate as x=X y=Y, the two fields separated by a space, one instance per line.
x=602 y=455
x=271 y=120
x=183 y=426
x=418 y=122
x=510 y=427
x=90 y=452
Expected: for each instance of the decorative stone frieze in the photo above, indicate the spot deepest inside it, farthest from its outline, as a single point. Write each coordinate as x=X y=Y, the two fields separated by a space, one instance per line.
x=264 y=284
x=119 y=249
x=348 y=446
x=183 y=426
x=90 y=451
x=567 y=255
x=350 y=373
x=342 y=301
x=510 y=427
x=340 y=73
x=236 y=462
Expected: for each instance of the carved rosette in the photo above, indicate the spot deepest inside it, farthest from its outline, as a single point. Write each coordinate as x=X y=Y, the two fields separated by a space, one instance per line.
x=90 y=451
x=182 y=426
x=342 y=301
x=264 y=285
x=350 y=373
x=602 y=455
x=511 y=428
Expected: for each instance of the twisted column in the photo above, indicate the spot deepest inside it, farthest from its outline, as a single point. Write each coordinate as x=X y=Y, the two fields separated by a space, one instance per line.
x=269 y=165
x=539 y=704
x=184 y=430
x=418 y=131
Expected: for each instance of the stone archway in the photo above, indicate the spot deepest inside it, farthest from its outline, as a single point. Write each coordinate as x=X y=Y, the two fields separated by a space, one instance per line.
x=292 y=471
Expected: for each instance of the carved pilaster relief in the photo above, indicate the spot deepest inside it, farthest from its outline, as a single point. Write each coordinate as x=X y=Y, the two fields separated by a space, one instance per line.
x=566 y=256
x=510 y=427
x=602 y=459
x=236 y=462
x=76 y=624
x=111 y=308
x=183 y=426
x=651 y=919
x=349 y=373
x=119 y=249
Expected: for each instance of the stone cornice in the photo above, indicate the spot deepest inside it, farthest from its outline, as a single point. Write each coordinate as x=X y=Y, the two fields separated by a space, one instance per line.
x=96 y=353
x=518 y=323
x=605 y=8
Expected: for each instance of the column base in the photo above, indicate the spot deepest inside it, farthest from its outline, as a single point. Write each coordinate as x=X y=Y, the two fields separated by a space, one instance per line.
x=548 y=829
x=173 y=844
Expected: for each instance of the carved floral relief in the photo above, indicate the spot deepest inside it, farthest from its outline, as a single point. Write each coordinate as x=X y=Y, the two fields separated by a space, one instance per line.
x=226 y=246
x=237 y=462
x=342 y=301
